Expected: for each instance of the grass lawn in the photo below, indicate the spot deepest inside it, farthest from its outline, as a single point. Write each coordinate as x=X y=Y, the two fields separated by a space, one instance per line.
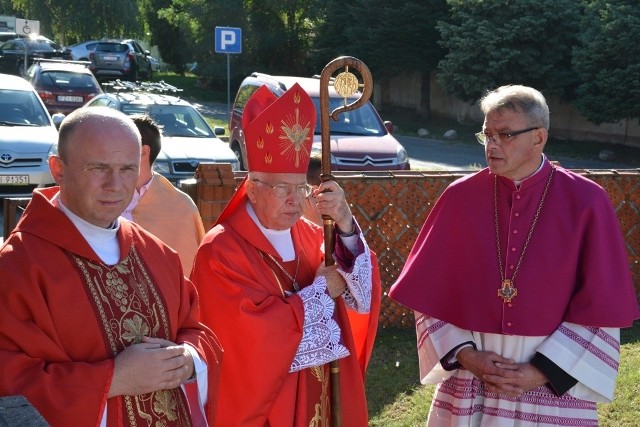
x=396 y=398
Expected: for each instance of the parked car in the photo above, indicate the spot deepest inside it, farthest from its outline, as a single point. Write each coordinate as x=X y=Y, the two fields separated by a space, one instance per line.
x=81 y=51
x=63 y=86
x=9 y=35
x=12 y=53
x=120 y=59
x=187 y=139
x=360 y=140
x=28 y=137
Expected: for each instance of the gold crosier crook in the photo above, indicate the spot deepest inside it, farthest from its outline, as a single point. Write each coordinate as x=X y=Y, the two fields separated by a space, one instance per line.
x=346 y=84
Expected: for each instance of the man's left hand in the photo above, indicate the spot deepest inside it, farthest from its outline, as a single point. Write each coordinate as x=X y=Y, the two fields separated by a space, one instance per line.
x=531 y=378
x=331 y=201
x=189 y=365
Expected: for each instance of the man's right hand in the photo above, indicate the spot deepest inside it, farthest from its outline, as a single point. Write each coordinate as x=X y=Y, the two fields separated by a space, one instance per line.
x=148 y=367
x=335 y=282
x=483 y=364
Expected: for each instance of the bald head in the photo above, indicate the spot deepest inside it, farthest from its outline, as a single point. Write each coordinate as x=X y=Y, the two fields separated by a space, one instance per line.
x=94 y=119
x=97 y=164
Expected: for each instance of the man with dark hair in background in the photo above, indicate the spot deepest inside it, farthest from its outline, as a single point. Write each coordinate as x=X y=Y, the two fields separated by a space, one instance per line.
x=158 y=206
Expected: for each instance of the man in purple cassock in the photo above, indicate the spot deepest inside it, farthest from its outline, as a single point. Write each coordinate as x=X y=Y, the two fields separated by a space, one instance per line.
x=520 y=283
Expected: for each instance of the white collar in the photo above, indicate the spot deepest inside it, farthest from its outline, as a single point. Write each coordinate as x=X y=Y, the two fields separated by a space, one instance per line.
x=103 y=241
x=280 y=239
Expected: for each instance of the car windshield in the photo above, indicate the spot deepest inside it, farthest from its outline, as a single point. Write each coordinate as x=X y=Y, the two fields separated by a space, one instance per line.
x=362 y=121
x=174 y=120
x=42 y=45
x=32 y=45
x=66 y=80
x=21 y=108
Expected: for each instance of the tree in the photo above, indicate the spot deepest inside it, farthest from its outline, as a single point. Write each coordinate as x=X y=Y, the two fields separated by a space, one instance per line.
x=170 y=33
x=389 y=36
x=608 y=61
x=75 y=20
x=492 y=43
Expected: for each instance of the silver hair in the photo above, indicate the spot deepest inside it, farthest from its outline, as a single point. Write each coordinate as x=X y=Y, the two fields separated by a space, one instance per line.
x=519 y=99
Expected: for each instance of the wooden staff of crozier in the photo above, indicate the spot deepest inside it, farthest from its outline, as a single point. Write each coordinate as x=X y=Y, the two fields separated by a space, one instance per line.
x=347 y=85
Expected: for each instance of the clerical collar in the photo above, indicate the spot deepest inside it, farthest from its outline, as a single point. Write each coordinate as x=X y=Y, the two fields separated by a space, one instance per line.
x=103 y=241
x=281 y=240
x=518 y=182
x=137 y=195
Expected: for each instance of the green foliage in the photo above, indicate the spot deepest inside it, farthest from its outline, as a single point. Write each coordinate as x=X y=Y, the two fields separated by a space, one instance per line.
x=492 y=43
x=70 y=21
x=607 y=61
x=389 y=36
x=170 y=34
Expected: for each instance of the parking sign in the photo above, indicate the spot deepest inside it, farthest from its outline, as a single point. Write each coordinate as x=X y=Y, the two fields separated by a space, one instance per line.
x=228 y=40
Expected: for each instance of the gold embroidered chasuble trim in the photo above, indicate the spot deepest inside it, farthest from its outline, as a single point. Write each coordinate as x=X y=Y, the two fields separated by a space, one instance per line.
x=128 y=306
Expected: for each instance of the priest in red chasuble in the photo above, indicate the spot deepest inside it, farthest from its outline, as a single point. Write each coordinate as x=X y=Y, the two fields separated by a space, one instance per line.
x=98 y=325
x=520 y=283
x=279 y=312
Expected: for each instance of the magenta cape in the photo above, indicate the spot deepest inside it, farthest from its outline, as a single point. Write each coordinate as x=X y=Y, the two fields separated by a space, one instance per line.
x=575 y=268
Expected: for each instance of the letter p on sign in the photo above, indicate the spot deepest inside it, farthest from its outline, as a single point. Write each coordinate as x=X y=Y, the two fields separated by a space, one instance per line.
x=228 y=40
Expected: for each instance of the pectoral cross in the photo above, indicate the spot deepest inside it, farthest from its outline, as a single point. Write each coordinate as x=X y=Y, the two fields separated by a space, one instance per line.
x=507 y=291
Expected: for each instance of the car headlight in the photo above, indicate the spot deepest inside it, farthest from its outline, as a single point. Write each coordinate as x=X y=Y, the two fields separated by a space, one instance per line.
x=402 y=155
x=161 y=167
x=53 y=151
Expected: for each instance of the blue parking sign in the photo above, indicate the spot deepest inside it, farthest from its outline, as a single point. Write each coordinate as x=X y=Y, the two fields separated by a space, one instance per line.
x=228 y=40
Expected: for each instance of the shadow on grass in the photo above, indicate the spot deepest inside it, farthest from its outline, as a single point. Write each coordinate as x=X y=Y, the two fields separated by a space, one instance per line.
x=393 y=368
x=630 y=335
x=393 y=371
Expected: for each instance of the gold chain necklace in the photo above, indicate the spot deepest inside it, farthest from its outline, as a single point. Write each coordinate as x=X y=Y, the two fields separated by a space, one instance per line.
x=507 y=291
x=294 y=279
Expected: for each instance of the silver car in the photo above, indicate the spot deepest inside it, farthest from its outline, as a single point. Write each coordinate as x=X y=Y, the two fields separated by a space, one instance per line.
x=81 y=51
x=187 y=139
x=28 y=137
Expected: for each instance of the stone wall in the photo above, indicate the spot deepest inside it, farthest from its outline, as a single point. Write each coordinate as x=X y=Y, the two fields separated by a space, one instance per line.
x=566 y=122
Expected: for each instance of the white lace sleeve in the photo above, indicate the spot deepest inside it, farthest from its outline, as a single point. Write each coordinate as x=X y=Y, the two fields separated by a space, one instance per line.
x=321 y=342
x=358 y=293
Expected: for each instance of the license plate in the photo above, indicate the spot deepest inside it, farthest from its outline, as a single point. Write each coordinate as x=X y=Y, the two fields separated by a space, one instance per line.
x=14 y=179
x=69 y=98
x=110 y=58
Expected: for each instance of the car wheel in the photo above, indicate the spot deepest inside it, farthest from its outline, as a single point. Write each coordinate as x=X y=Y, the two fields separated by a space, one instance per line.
x=236 y=150
x=134 y=74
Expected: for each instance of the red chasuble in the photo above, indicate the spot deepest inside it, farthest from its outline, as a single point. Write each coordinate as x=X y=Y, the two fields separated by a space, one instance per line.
x=575 y=268
x=260 y=329
x=64 y=316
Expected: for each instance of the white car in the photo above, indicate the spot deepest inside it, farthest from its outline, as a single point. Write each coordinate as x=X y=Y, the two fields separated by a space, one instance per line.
x=187 y=139
x=28 y=137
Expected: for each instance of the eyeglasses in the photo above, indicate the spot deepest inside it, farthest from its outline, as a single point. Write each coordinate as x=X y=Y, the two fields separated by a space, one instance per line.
x=501 y=137
x=283 y=190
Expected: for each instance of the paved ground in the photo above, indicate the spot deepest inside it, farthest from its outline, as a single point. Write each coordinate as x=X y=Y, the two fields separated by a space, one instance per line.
x=431 y=154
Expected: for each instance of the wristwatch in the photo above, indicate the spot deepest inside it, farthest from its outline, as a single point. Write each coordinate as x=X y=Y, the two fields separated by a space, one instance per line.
x=353 y=231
